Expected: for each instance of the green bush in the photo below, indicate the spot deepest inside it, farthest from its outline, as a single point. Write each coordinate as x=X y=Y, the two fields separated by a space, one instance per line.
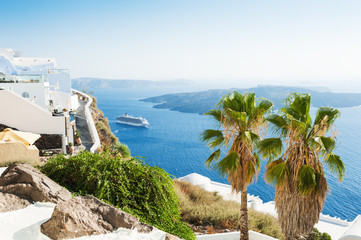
x=316 y=235
x=139 y=189
x=121 y=149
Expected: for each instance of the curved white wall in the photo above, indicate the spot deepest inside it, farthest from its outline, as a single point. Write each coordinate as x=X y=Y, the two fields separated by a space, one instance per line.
x=26 y=116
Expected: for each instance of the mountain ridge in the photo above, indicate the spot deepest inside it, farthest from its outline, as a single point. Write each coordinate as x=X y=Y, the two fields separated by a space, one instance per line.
x=203 y=101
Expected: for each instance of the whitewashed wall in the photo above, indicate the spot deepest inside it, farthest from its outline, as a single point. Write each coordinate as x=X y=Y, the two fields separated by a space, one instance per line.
x=62 y=99
x=74 y=102
x=35 y=90
x=26 y=116
x=91 y=124
x=62 y=80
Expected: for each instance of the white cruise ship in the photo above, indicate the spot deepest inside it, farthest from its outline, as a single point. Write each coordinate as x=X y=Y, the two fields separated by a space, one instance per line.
x=133 y=121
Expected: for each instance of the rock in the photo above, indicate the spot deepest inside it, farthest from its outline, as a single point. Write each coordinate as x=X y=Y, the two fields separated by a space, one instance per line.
x=171 y=237
x=84 y=216
x=27 y=182
x=11 y=202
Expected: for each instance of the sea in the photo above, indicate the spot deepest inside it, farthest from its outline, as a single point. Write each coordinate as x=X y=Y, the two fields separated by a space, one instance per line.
x=172 y=141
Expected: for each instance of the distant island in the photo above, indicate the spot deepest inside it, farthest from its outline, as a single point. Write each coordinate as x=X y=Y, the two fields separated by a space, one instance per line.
x=94 y=83
x=201 y=102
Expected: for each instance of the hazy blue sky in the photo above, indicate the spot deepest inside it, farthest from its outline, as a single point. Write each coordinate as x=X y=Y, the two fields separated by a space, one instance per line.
x=244 y=42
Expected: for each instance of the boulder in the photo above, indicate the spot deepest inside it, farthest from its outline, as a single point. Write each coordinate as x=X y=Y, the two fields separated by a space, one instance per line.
x=29 y=183
x=11 y=202
x=171 y=237
x=84 y=216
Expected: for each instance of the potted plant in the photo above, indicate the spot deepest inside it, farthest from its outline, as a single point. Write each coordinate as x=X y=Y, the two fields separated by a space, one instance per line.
x=77 y=137
x=70 y=148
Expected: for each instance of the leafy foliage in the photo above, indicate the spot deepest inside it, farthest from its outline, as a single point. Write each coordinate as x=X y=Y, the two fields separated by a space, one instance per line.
x=316 y=235
x=139 y=189
x=240 y=122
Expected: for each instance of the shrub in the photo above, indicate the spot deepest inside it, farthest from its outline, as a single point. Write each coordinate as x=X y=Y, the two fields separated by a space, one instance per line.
x=139 y=189
x=316 y=235
x=120 y=149
x=203 y=208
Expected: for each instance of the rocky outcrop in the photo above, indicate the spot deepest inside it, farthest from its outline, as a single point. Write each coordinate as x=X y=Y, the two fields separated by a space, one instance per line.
x=11 y=202
x=83 y=216
x=28 y=183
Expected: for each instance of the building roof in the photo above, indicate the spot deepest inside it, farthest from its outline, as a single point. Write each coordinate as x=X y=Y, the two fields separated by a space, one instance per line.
x=12 y=64
x=354 y=231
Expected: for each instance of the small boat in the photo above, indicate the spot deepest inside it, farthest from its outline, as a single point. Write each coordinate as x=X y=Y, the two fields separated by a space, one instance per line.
x=133 y=121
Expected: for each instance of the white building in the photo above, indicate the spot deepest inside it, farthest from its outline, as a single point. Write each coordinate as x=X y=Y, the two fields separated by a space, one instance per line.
x=36 y=95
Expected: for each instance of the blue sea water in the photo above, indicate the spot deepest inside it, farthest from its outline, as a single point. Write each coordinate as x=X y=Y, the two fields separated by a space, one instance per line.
x=172 y=142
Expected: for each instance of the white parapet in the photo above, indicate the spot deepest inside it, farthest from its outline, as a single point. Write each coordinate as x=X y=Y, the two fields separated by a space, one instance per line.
x=24 y=115
x=90 y=121
x=234 y=236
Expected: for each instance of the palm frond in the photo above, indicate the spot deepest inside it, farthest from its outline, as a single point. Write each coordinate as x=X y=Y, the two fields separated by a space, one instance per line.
x=298 y=106
x=252 y=170
x=215 y=113
x=277 y=172
x=250 y=137
x=228 y=164
x=336 y=165
x=238 y=118
x=231 y=102
x=213 y=157
x=306 y=179
x=270 y=147
x=298 y=126
x=326 y=144
x=212 y=137
x=327 y=114
x=257 y=160
x=264 y=106
x=279 y=124
x=250 y=102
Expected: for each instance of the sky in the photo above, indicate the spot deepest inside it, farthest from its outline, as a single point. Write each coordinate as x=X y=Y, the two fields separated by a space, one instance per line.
x=226 y=42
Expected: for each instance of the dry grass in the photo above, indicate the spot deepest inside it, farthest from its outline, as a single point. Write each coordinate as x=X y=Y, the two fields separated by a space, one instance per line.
x=202 y=208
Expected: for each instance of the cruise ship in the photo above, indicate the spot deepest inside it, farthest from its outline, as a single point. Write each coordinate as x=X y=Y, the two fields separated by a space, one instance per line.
x=134 y=121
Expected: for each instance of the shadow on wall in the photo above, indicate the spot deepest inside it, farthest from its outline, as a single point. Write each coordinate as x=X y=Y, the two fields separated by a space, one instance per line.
x=45 y=142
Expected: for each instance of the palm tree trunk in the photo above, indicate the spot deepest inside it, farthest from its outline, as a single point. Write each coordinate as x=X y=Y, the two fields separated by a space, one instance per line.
x=244 y=215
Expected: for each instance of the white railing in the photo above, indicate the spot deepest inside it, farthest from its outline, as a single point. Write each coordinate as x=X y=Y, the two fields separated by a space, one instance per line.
x=334 y=220
x=37 y=78
x=90 y=121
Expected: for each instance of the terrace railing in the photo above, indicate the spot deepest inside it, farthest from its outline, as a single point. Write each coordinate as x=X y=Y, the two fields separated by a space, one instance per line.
x=22 y=78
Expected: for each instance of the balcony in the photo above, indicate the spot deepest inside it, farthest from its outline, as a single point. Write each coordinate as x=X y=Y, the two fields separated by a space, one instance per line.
x=21 y=78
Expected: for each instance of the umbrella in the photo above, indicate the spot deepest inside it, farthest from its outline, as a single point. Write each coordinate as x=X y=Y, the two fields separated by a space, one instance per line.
x=12 y=135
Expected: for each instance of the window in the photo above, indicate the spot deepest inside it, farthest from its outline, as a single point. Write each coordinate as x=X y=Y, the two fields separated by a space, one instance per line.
x=25 y=95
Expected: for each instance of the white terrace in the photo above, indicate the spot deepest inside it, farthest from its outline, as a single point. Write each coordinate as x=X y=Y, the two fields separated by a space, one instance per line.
x=36 y=96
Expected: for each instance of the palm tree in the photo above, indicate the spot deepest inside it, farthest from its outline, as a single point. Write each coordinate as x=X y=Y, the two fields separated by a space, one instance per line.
x=240 y=122
x=297 y=169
